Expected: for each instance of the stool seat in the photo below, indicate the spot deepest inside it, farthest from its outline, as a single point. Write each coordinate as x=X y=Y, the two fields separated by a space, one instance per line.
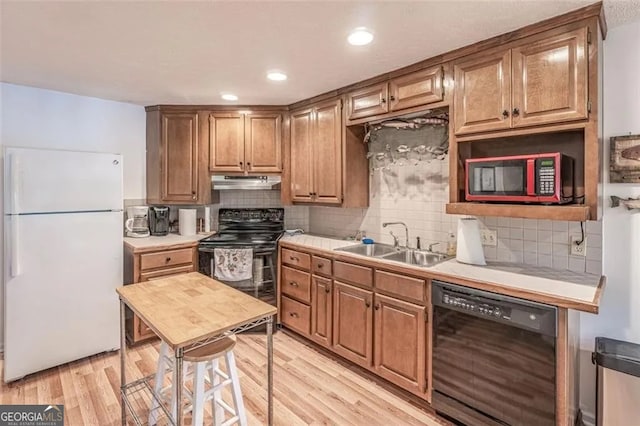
x=210 y=351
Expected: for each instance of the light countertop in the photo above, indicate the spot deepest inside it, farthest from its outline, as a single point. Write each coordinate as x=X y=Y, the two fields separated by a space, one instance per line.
x=565 y=288
x=152 y=242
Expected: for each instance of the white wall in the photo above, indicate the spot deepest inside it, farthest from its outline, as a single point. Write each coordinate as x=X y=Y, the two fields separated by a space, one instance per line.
x=31 y=117
x=620 y=308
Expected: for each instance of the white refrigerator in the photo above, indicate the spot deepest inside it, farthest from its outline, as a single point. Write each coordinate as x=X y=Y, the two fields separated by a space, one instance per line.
x=62 y=257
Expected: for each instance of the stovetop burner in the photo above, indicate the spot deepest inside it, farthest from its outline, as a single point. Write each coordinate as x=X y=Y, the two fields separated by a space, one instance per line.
x=247 y=228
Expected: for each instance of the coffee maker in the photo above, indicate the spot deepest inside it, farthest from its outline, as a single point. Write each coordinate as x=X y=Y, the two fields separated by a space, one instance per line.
x=137 y=223
x=159 y=220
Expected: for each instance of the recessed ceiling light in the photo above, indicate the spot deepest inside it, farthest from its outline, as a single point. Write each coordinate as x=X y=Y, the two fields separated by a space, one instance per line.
x=276 y=76
x=360 y=36
x=229 y=97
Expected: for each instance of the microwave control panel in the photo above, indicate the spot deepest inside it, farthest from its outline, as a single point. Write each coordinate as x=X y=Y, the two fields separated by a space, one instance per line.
x=546 y=168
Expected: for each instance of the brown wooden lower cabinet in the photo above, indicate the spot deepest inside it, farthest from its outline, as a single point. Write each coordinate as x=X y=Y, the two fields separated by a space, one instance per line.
x=400 y=342
x=321 y=310
x=353 y=323
x=151 y=265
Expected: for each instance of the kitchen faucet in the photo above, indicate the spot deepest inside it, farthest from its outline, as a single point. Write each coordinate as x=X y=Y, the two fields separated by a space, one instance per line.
x=406 y=231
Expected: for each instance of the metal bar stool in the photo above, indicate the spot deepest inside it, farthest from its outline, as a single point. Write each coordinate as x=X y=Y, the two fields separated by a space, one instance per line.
x=266 y=256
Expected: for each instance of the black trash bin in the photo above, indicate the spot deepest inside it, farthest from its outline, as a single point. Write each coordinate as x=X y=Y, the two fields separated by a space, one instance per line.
x=618 y=382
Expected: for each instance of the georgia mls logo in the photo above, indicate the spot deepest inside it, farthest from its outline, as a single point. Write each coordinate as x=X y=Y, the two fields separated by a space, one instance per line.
x=31 y=415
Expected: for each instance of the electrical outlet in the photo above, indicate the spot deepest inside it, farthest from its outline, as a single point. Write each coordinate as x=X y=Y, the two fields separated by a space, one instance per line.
x=489 y=237
x=576 y=249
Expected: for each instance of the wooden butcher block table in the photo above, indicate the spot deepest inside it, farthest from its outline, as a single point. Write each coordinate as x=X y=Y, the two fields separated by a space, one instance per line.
x=188 y=311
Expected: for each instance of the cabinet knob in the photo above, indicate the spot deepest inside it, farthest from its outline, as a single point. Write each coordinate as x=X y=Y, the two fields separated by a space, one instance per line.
x=293 y=284
x=392 y=98
x=367 y=304
x=293 y=314
x=295 y=259
x=327 y=290
x=505 y=113
x=193 y=195
x=167 y=260
x=383 y=100
x=248 y=164
x=516 y=112
x=320 y=265
x=377 y=306
x=241 y=164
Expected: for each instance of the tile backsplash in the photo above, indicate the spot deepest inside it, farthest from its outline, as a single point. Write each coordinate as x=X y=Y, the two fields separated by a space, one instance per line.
x=294 y=216
x=417 y=195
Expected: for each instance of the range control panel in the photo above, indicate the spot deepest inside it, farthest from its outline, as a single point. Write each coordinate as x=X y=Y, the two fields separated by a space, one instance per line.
x=474 y=306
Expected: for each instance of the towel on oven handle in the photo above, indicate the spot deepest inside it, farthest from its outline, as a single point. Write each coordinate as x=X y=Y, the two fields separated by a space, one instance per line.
x=233 y=264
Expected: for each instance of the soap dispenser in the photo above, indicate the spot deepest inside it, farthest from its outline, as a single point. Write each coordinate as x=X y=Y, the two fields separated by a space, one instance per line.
x=451 y=244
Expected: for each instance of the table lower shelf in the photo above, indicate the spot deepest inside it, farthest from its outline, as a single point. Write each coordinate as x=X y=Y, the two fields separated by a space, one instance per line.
x=138 y=397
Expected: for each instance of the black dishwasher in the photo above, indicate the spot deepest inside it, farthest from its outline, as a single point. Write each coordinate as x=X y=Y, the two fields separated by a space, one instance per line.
x=493 y=357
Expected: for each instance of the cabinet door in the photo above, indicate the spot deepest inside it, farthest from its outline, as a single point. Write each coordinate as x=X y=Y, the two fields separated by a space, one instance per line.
x=400 y=348
x=179 y=157
x=419 y=88
x=226 y=142
x=263 y=142
x=321 y=306
x=550 y=80
x=352 y=323
x=482 y=99
x=327 y=153
x=301 y=156
x=369 y=101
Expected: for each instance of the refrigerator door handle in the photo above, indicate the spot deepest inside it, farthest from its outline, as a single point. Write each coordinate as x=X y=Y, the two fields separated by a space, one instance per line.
x=14 y=183
x=14 y=247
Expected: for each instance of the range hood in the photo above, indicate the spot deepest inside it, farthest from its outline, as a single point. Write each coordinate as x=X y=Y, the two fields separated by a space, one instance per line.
x=220 y=182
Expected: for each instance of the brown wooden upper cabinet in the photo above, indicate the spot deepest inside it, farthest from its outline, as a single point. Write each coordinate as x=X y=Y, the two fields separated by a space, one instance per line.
x=176 y=171
x=247 y=143
x=411 y=90
x=539 y=82
x=316 y=154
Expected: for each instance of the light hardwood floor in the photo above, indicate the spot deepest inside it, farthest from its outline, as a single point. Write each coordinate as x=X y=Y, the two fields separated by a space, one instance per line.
x=309 y=387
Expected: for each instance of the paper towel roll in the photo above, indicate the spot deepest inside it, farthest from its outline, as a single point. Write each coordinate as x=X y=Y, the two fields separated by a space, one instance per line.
x=469 y=243
x=207 y=219
x=187 y=221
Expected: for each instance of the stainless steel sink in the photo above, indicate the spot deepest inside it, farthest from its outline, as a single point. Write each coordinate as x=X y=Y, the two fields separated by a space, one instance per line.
x=372 y=250
x=415 y=257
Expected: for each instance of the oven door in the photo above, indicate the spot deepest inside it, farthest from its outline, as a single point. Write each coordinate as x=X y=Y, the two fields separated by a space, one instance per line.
x=495 y=179
x=486 y=372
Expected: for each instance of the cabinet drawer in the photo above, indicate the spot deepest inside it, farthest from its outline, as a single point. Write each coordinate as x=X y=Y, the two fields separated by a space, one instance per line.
x=295 y=315
x=295 y=258
x=296 y=284
x=353 y=273
x=164 y=273
x=165 y=258
x=321 y=266
x=399 y=285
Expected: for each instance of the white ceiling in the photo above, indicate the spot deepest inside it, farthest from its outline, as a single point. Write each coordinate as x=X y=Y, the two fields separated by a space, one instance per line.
x=188 y=52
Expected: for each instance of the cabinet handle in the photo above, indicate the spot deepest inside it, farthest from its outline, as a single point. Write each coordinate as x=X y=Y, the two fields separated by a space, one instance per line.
x=367 y=304
x=168 y=259
x=505 y=113
x=392 y=98
x=377 y=306
x=327 y=290
x=294 y=315
x=516 y=112
x=383 y=100
x=293 y=284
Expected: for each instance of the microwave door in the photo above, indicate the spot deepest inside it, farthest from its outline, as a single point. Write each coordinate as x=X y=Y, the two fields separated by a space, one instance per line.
x=497 y=180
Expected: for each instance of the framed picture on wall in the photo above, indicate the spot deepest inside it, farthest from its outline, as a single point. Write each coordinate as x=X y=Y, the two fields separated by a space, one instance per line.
x=625 y=159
